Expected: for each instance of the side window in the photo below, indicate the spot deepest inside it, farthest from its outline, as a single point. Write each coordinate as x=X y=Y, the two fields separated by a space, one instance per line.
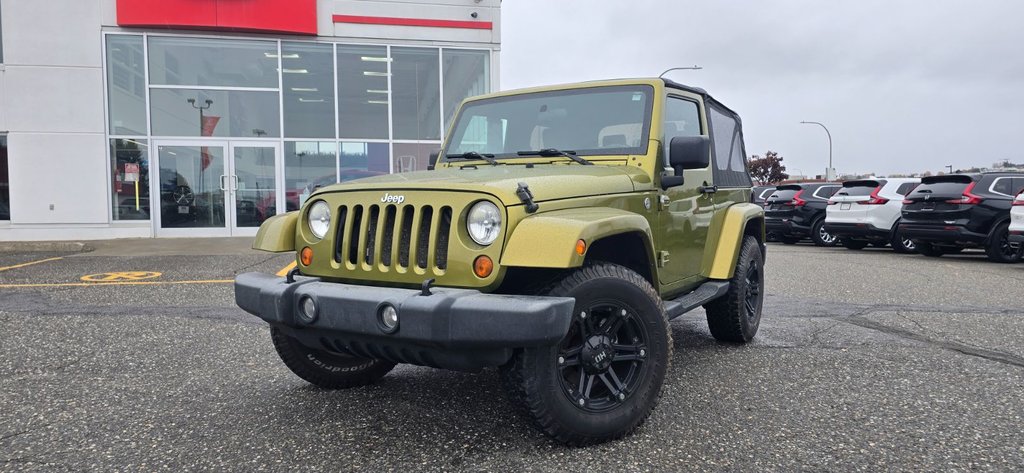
x=1002 y=185
x=723 y=129
x=736 y=159
x=727 y=142
x=905 y=188
x=681 y=119
x=826 y=192
x=1018 y=185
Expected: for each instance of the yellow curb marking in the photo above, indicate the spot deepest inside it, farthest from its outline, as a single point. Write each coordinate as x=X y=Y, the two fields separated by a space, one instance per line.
x=120 y=276
x=121 y=283
x=284 y=270
x=30 y=263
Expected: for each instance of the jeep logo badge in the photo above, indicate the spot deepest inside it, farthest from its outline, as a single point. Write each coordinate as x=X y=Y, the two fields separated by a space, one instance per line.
x=392 y=199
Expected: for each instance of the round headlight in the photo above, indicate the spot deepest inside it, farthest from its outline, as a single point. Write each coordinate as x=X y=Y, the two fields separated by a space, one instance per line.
x=319 y=218
x=484 y=223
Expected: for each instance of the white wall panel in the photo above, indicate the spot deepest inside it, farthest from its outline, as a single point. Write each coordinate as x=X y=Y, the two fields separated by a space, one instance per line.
x=54 y=99
x=67 y=171
x=52 y=32
x=456 y=11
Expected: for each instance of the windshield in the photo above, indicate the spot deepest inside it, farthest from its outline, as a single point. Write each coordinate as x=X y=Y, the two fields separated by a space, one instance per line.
x=612 y=120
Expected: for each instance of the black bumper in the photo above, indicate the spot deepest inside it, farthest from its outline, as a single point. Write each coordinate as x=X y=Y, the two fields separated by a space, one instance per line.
x=861 y=231
x=955 y=235
x=459 y=329
x=785 y=227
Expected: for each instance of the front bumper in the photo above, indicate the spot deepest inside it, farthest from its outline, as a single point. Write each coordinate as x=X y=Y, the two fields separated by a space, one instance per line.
x=857 y=231
x=460 y=329
x=941 y=234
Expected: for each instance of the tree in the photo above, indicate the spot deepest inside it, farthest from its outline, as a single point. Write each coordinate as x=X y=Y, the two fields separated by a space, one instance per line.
x=767 y=170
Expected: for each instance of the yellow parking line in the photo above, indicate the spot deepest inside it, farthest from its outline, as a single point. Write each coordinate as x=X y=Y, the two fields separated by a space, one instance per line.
x=284 y=270
x=30 y=263
x=123 y=283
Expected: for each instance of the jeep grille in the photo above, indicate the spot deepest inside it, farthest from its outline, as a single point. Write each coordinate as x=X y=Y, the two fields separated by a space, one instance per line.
x=388 y=236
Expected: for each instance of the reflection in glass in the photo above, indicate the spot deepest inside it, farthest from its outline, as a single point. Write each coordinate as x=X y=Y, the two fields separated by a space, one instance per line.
x=129 y=160
x=307 y=166
x=179 y=112
x=212 y=62
x=308 y=90
x=465 y=74
x=359 y=160
x=190 y=186
x=416 y=94
x=126 y=85
x=362 y=91
x=5 y=181
x=413 y=156
x=255 y=198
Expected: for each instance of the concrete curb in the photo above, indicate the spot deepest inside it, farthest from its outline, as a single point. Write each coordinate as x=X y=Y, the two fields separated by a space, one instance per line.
x=44 y=247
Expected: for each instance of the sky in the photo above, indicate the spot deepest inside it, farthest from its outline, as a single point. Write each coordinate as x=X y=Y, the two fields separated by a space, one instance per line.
x=903 y=86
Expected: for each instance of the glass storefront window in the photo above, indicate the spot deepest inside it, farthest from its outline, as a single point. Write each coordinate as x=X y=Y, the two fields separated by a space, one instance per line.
x=416 y=94
x=193 y=112
x=465 y=75
x=129 y=162
x=212 y=62
x=413 y=156
x=307 y=166
x=308 y=90
x=363 y=92
x=359 y=160
x=126 y=85
x=5 y=181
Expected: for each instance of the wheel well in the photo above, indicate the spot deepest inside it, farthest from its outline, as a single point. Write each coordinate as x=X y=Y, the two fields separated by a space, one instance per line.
x=755 y=228
x=624 y=249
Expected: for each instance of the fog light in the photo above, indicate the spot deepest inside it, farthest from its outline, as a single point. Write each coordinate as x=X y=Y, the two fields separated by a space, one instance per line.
x=307 y=309
x=388 y=316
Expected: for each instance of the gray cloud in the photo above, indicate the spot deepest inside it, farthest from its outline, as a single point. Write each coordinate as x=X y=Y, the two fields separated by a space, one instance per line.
x=903 y=86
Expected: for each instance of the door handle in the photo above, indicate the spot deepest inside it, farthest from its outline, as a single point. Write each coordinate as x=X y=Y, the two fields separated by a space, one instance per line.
x=706 y=189
x=223 y=186
x=234 y=183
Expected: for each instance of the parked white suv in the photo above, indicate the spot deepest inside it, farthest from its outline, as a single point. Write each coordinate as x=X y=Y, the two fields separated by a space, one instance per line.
x=1016 y=236
x=866 y=211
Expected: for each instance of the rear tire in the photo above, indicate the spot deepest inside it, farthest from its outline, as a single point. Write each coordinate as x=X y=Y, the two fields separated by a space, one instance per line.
x=736 y=316
x=928 y=250
x=605 y=377
x=325 y=369
x=855 y=244
x=999 y=249
x=820 y=236
x=902 y=245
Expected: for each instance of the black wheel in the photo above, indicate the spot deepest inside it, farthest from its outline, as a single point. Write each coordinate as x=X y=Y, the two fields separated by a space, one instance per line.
x=735 y=316
x=999 y=249
x=855 y=244
x=902 y=244
x=820 y=236
x=928 y=250
x=790 y=241
x=604 y=378
x=326 y=369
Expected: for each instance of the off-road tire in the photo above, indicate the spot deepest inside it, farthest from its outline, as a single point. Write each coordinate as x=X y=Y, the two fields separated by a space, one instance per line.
x=854 y=244
x=930 y=251
x=999 y=250
x=736 y=316
x=535 y=382
x=328 y=370
x=902 y=245
x=818 y=233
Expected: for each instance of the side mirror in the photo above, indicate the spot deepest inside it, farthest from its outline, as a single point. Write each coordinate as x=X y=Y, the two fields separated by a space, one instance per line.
x=689 y=152
x=432 y=160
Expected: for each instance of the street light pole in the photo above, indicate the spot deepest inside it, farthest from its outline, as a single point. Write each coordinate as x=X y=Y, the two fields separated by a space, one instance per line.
x=687 y=68
x=829 y=170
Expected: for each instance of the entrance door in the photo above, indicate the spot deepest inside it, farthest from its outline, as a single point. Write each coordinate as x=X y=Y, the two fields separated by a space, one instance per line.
x=215 y=188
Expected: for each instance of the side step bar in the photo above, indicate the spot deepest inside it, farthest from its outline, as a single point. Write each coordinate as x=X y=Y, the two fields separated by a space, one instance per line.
x=707 y=292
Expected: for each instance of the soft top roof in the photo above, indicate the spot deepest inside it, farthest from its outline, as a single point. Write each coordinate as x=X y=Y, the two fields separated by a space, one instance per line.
x=703 y=93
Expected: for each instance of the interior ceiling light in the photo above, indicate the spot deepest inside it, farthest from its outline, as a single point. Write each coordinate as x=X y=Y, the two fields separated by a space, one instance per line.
x=376 y=91
x=286 y=56
x=310 y=100
x=294 y=71
x=374 y=59
x=375 y=74
x=383 y=102
x=305 y=89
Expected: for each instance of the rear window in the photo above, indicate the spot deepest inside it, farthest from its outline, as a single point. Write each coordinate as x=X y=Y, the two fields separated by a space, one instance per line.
x=783 y=195
x=857 y=191
x=944 y=188
x=766 y=193
x=905 y=188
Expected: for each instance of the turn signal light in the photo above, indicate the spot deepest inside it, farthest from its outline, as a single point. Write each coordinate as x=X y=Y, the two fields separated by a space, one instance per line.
x=306 y=256
x=483 y=266
x=581 y=247
x=967 y=198
x=797 y=201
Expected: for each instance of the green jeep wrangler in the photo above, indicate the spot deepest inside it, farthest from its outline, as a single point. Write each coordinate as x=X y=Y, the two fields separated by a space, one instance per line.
x=554 y=237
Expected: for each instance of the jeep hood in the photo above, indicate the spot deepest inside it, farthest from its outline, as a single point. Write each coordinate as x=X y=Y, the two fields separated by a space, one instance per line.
x=546 y=181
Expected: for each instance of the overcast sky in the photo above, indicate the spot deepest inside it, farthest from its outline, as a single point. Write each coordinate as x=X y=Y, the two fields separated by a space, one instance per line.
x=904 y=86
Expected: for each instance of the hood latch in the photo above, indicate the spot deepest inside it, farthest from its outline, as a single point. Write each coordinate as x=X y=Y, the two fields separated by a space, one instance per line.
x=524 y=194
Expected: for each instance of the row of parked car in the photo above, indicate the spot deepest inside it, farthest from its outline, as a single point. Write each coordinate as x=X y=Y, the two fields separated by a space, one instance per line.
x=932 y=216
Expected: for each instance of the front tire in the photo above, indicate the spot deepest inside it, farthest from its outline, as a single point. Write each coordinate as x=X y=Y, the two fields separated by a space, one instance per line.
x=999 y=249
x=605 y=377
x=325 y=369
x=822 y=237
x=736 y=316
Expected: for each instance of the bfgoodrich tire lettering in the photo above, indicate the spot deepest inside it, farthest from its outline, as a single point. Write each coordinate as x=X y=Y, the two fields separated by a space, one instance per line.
x=326 y=369
x=571 y=391
x=736 y=316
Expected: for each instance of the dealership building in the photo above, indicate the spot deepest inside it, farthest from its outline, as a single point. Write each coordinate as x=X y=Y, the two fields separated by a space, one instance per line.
x=142 y=118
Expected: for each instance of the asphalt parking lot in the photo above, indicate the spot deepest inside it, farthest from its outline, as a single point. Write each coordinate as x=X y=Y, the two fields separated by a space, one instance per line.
x=865 y=360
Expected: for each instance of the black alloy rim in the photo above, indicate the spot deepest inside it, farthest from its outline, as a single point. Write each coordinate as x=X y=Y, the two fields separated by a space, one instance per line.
x=603 y=359
x=753 y=295
x=1006 y=248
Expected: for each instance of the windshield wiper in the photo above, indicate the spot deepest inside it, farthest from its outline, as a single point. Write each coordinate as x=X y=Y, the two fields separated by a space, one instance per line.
x=474 y=155
x=551 y=152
